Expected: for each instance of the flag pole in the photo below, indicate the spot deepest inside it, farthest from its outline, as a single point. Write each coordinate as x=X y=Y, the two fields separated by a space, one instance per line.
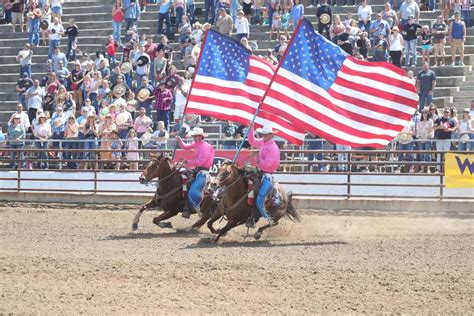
x=189 y=92
x=268 y=88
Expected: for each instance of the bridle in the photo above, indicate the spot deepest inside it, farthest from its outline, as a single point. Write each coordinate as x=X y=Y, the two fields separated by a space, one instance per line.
x=148 y=180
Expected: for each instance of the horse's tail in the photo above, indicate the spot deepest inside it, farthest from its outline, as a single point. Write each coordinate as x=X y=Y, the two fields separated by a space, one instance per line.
x=291 y=210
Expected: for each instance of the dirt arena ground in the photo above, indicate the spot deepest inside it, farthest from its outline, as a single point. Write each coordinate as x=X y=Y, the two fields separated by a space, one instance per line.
x=69 y=259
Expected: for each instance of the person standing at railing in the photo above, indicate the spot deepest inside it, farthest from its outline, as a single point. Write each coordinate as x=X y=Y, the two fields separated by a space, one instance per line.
x=34 y=99
x=405 y=144
x=90 y=142
x=444 y=127
x=466 y=131
x=71 y=134
x=424 y=136
x=42 y=133
x=24 y=120
x=58 y=126
x=16 y=136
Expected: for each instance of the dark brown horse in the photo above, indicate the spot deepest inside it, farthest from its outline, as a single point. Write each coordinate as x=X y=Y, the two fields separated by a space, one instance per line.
x=232 y=196
x=169 y=193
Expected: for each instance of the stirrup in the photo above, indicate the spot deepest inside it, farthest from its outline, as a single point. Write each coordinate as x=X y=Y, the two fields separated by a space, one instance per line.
x=250 y=222
x=271 y=222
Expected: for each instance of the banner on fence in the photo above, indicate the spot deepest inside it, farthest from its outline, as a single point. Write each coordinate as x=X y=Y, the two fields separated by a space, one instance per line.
x=220 y=156
x=459 y=171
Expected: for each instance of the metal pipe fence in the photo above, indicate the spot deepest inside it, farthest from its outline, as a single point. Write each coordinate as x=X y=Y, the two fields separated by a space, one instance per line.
x=329 y=173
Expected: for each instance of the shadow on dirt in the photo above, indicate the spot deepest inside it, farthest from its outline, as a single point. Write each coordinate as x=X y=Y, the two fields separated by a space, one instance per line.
x=176 y=234
x=207 y=243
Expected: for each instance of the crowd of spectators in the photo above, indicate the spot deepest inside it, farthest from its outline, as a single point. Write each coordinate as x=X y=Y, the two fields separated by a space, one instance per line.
x=131 y=94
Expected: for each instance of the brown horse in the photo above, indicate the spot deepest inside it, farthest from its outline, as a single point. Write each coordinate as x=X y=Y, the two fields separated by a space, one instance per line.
x=169 y=193
x=232 y=202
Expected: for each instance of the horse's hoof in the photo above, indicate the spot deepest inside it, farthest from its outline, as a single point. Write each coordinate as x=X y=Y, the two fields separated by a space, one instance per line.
x=134 y=226
x=215 y=239
x=257 y=235
x=165 y=225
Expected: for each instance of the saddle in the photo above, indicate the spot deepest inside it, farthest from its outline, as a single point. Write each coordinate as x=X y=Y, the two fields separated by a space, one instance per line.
x=253 y=177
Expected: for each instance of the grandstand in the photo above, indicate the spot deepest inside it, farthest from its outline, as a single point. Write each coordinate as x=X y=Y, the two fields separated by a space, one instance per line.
x=455 y=85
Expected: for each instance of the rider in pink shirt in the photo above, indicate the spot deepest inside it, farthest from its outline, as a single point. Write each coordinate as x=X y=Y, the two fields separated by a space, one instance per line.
x=268 y=161
x=202 y=162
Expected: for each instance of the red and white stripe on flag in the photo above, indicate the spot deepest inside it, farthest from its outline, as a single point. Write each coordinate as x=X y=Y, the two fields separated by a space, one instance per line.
x=367 y=105
x=237 y=101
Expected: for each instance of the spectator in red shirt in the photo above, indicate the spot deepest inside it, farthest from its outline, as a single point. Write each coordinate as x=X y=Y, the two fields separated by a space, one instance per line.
x=111 y=49
x=117 y=19
x=163 y=99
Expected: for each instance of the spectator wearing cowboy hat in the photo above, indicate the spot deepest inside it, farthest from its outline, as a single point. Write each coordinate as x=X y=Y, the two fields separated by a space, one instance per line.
x=163 y=100
x=42 y=132
x=24 y=119
x=16 y=136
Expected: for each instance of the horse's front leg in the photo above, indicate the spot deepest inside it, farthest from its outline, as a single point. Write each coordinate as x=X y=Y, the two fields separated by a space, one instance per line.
x=165 y=215
x=151 y=204
x=217 y=214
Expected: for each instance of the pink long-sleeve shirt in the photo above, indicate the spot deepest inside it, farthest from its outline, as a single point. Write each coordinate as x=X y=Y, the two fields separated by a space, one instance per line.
x=269 y=154
x=204 y=153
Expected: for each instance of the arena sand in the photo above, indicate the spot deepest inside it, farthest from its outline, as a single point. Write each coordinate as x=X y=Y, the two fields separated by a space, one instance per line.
x=71 y=259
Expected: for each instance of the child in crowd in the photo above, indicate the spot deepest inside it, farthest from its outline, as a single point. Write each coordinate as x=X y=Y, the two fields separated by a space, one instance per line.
x=363 y=44
x=160 y=136
x=132 y=144
x=380 y=48
x=116 y=145
x=425 y=40
x=276 y=22
x=111 y=49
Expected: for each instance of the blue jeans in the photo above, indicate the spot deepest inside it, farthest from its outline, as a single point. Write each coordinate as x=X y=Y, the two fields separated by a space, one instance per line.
x=265 y=188
x=71 y=155
x=70 y=51
x=405 y=147
x=190 y=8
x=117 y=31
x=27 y=69
x=179 y=16
x=315 y=144
x=52 y=45
x=234 y=6
x=425 y=100
x=410 y=47
x=43 y=154
x=90 y=143
x=210 y=7
x=195 y=191
x=95 y=104
x=161 y=18
x=8 y=16
x=163 y=115
x=33 y=32
x=22 y=99
x=466 y=146
x=425 y=146
x=129 y=22
x=466 y=16
x=14 y=155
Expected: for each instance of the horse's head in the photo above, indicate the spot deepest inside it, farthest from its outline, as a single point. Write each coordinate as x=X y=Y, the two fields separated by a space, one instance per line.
x=154 y=169
x=227 y=173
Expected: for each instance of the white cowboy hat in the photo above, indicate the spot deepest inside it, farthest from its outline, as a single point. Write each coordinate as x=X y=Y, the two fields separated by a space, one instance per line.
x=197 y=131
x=266 y=130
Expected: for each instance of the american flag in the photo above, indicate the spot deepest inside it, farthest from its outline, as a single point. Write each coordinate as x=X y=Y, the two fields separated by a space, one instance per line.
x=230 y=83
x=321 y=89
